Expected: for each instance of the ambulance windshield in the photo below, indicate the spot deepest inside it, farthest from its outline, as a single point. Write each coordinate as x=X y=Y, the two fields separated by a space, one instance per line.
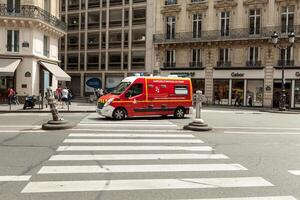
x=119 y=89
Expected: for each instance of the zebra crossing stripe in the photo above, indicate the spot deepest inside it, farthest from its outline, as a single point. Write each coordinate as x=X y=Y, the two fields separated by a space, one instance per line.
x=136 y=157
x=295 y=172
x=131 y=130
x=14 y=178
x=145 y=184
x=151 y=141
x=134 y=148
x=252 y=198
x=139 y=168
x=131 y=135
x=131 y=125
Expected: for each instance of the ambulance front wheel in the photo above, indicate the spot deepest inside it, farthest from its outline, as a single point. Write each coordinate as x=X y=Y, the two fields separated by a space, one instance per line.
x=119 y=114
x=179 y=113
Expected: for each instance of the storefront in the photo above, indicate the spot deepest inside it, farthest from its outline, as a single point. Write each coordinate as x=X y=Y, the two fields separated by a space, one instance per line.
x=292 y=87
x=238 y=87
x=197 y=78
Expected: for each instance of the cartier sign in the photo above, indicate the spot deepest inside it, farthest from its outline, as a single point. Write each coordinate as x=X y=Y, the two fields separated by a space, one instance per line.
x=237 y=74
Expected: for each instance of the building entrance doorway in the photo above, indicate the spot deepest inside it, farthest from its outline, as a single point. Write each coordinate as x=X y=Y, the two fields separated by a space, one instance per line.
x=277 y=92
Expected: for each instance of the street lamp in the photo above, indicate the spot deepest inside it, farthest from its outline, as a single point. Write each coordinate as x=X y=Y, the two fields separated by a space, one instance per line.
x=274 y=38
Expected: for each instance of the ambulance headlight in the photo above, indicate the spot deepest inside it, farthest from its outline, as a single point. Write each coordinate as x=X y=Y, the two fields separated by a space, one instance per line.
x=109 y=101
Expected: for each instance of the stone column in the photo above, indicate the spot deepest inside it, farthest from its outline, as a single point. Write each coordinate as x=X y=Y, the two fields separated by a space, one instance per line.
x=269 y=74
x=158 y=60
x=209 y=65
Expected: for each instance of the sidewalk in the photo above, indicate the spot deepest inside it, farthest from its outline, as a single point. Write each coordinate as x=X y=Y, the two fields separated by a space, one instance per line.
x=74 y=107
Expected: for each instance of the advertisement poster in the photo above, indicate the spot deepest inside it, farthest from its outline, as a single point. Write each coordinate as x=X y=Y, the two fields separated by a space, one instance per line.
x=92 y=83
x=112 y=81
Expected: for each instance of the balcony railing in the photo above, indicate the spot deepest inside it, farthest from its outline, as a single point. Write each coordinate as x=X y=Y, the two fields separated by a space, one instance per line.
x=253 y=63
x=289 y=63
x=169 y=65
x=223 y=64
x=195 y=64
x=215 y=35
x=33 y=12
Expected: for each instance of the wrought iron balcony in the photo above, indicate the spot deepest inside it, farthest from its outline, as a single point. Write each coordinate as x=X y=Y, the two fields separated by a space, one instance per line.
x=195 y=64
x=288 y=63
x=169 y=65
x=215 y=35
x=32 y=12
x=223 y=64
x=253 y=63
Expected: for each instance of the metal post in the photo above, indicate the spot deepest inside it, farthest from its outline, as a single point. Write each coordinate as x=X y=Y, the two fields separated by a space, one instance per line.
x=9 y=102
x=283 y=95
x=198 y=104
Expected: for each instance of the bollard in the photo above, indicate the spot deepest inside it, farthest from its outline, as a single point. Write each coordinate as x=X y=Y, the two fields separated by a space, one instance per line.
x=198 y=123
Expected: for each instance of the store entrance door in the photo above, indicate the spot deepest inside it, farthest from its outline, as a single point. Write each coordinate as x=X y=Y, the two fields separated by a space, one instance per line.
x=277 y=92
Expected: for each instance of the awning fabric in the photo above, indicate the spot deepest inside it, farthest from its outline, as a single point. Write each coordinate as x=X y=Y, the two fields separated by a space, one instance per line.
x=8 y=66
x=56 y=71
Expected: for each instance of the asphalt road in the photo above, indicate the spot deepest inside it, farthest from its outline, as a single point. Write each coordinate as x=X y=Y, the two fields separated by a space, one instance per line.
x=248 y=154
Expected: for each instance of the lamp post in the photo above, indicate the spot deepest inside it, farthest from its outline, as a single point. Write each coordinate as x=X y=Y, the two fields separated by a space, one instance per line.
x=274 y=37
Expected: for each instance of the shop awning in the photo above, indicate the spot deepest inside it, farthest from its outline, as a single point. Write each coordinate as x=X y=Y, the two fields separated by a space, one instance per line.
x=8 y=66
x=56 y=71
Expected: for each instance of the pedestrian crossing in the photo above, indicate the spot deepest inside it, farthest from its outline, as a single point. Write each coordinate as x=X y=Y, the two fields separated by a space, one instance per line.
x=138 y=158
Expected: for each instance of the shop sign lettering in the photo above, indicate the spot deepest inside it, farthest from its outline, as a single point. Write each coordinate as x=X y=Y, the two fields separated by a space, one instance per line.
x=297 y=74
x=237 y=74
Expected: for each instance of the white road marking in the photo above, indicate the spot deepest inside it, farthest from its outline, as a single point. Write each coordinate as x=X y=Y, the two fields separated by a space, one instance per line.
x=19 y=126
x=14 y=178
x=134 y=148
x=262 y=133
x=151 y=141
x=146 y=184
x=136 y=157
x=150 y=135
x=126 y=122
x=131 y=130
x=130 y=125
x=252 y=198
x=22 y=131
x=139 y=168
x=256 y=128
x=295 y=172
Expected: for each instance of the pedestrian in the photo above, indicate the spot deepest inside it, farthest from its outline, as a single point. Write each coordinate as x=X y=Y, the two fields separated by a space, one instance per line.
x=70 y=96
x=250 y=100
x=64 y=96
x=16 y=99
x=58 y=94
x=237 y=100
x=10 y=95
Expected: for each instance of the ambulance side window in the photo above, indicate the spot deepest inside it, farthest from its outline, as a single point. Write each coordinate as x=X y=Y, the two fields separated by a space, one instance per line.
x=134 y=90
x=181 y=90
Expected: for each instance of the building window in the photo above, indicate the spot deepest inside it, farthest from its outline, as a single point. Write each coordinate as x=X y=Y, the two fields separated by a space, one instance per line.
x=287 y=19
x=170 y=2
x=224 y=58
x=47 y=5
x=225 y=23
x=171 y=22
x=253 y=60
x=13 y=40
x=197 y=25
x=13 y=6
x=46 y=46
x=170 y=58
x=254 y=21
x=196 y=58
x=286 y=57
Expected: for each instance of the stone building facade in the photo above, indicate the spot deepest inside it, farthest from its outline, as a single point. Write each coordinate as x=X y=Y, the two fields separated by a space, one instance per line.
x=224 y=46
x=29 y=32
x=107 y=40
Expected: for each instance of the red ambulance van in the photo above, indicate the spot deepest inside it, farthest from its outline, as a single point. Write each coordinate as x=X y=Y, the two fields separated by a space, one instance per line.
x=141 y=96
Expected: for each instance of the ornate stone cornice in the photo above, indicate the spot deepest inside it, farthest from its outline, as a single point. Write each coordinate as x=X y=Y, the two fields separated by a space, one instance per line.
x=225 y=4
x=170 y=9
x=197 y=6
x=255 y=2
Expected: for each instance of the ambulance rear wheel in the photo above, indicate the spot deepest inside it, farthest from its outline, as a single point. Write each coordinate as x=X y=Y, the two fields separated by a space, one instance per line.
x=119 y=114
x=179 y=113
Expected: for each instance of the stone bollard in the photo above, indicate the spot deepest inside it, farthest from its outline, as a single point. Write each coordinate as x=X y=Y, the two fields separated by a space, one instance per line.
x=57 y=122
x=198 y=123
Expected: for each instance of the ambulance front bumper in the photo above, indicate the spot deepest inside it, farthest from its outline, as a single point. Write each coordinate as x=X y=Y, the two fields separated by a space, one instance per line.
x=106 y=111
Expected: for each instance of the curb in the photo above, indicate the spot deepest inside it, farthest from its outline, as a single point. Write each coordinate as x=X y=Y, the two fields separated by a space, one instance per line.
x=48 y=111
x=281 y=112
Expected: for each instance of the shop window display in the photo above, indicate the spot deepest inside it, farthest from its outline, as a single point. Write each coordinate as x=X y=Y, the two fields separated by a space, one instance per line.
x=254 y=93
x=237 y=94
x=221 y=92
x=297 y=94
